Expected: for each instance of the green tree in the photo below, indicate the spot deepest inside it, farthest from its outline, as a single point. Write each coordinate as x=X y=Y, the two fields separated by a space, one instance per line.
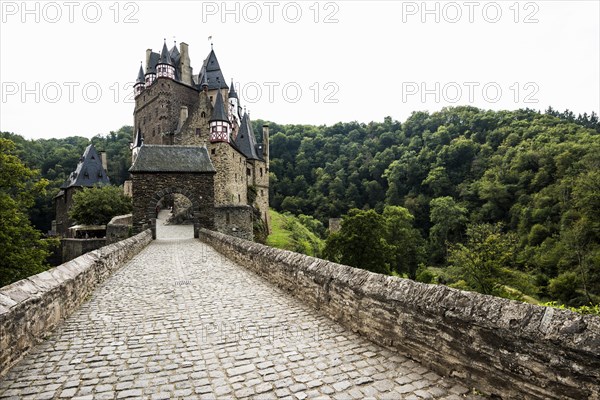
x=360 y=242
x=448 y=220
x=97 y=205
x=484 y=262
x=24 y=252
x=408 y=247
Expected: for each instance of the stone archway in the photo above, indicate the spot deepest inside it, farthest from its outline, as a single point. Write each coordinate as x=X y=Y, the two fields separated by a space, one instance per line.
x=158 y=196
x=162 y=170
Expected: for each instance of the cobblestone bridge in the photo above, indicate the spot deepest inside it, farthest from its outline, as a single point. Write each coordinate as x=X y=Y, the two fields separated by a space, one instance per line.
x=180 y=321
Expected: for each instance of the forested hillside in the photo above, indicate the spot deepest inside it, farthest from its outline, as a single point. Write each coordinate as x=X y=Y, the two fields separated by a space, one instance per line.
x=528 y=179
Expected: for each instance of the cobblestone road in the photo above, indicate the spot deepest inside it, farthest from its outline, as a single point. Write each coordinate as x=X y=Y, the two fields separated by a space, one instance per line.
x=180 y=321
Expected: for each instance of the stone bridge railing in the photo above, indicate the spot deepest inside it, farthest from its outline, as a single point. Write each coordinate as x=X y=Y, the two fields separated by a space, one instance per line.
x=33 y=307
x=501 y=347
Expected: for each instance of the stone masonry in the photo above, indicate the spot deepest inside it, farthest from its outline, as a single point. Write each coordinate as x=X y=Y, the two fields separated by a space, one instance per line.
x=181 y=321
x=501 y=347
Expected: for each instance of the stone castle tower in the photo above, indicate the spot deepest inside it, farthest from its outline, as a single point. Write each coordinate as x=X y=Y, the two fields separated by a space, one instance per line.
x=173 y=106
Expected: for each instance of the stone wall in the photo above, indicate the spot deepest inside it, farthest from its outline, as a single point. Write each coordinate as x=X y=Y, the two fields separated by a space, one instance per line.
x=235 y=221
x=31 y=308
x=157 y=109
x=118 y=228
x=72 y=248
x=501 y=347
x=231 y=183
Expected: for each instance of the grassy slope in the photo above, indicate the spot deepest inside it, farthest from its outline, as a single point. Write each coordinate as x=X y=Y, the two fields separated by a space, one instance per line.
x=289 y=234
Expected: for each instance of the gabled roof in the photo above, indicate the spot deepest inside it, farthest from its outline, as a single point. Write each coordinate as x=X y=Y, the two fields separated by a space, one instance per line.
x=245 y=140
x=140 y=78
x=159 y=158
x=213 y=73
x=219 y=113
x=89 y=171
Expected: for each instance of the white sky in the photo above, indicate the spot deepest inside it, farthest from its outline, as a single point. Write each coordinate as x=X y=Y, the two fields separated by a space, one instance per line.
x=369 y=60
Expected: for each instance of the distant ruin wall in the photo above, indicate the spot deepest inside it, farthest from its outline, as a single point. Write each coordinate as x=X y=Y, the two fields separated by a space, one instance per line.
x=32 y=307
x=498 y=346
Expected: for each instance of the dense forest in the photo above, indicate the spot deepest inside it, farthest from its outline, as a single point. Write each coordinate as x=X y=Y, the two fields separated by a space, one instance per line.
x=521 y=188
x=527 y=181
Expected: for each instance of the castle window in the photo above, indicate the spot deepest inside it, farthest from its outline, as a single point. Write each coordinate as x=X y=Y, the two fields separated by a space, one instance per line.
x=203 y=115
x=197 y=131
x=262 y=193
x=261 y=174
x=210 y=98
x=248 y=172
x=213 y=152
x=239 y=199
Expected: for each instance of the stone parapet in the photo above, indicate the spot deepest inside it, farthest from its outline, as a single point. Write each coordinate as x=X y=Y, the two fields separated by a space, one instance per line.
x=498 y=346
x=31 y=308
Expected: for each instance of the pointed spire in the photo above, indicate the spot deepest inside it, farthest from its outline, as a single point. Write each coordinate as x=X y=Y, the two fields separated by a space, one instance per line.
x=219 y=113
x=165 y=57
x=140 y=78
x=245 y=140
x=232 y=93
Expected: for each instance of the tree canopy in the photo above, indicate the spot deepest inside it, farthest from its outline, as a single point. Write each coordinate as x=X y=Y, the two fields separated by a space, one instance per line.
x=98 y=205
x=24 y=252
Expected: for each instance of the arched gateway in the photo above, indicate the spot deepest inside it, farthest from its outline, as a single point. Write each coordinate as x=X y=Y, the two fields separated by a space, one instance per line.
x=161 y=170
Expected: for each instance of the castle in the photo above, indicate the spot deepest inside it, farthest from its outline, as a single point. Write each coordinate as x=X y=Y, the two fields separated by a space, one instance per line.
x=175 y=107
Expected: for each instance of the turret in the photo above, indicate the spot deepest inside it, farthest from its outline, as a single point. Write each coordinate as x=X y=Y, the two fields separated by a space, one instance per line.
x=234 y=110
x=165 y=67
x=220 y=128
x=140 y=82
x=150 y=67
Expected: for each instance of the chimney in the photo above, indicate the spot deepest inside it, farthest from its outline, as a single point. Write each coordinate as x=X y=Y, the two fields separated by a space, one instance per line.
x=266 y=144
x=104 y=163
x=184 y=64
x=148 y=52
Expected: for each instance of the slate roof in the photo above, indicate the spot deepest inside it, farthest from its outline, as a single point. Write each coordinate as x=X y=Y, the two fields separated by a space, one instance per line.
x=245 y=140
x=212 y=72
x=89 y=171
x=154 y=57
x=160 y=158
x=232 y=92
x=175 y=56
x=140 y=78
x=219 y=113
x=165 y=56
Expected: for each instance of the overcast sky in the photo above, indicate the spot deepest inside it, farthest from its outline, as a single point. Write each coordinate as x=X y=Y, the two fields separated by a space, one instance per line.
x=66 y=67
